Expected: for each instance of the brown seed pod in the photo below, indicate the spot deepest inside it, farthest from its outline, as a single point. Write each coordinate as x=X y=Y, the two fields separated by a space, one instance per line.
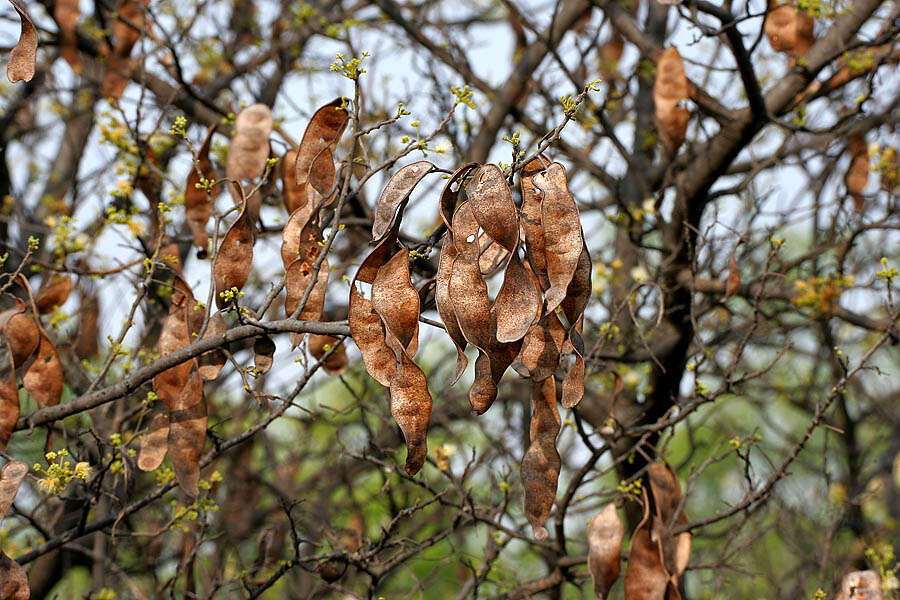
x=610 y=53
x=493 y=206
x=210 y=363
x=788 y=29
x=670 y=89
x=9 y=405
x=468 y=291
x=187 y=434
x=53 y=293
x=86 y=345
x=125 y=36
x=263 y=353
x=531 y=221
x=366 y=326
x=445 y=306
x=397 y=302
x=231 y=265
x=410 y=406
x=13 y=580
x=604 y=537
x=66 y=13
x=518 y=303
x=23 y=56
x=250 y=145
x=43 y=380
x=675 y=551
x=450 y=194
x=733 y=283
x=154 y=444
x=293 y=195
x=198 y=203
x=540 y=351
x=174 y=336
x=11 y=477
x=395 y=195
x=858 y=174
x=573 y=381
x=541 y=463
x=492 y=255
x=563 y=241
x=334 y=364
x=645 y=577
x=21 y=337
x=314 y=163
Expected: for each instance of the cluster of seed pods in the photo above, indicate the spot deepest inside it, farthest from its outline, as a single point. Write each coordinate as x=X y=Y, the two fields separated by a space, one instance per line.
x=533 y=323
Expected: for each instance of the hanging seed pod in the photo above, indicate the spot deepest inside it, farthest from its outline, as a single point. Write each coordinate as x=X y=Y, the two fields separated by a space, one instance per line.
x=231 y=265
x=675 y=550
x=43 y=380
x=187 y=434
x=53 y=293
x=539 y=356
x=13 y=580
x=313 y=165
x=154 y=444
x=66 y=13
x=858 y=174
x=397 y=302
x=23 y=56
x=604 y=536
x=198 y=202
x=263 y=353
x=532 y=224
x=788 y=29
x=563 y=241
x=174 y=336
x=445 y=306
x=645 y=577
x=126 y=32
x=250 y=145
x=211 y=363
x=335 y=363
x=670 y=89
x=396 y=194
x=21 y=338
x=541 y=463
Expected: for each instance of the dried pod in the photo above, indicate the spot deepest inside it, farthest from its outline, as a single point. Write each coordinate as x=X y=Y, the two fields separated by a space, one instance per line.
x=231 y=265
x=610 y=53
x=397 y=302
x=667 y=500
x=492 y=255
x=335 y=363
x=174 y=336
x=788 y=29
x=858 y=174
x=66 y=13
x=395 y=194
x=604 y=536
x=187 y=433
x=53 y=293
x=445 y=306
x=9 y=405
x=860 y=585
x=669 y=90
x=154 y=444
x=210 y=363
x=450 y=193
x=541 y=463
x=313 y=165
x=410 y=406
x=563 y=240
x=86 y=344
x=23 y=56
x=13 y=580
x=645 y=577
x=21 y=339
x=733 y=283
x=573 y=380
x=126 y=31
x=263 y=353
x=539 y=356
x=250 y=145
x=493 y=206
x=518 y=303
x=198 y=202
x=366 y=326
x=43 y=380
x=532 y=224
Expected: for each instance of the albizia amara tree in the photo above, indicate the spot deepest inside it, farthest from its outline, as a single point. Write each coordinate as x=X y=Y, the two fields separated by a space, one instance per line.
x=449 y=299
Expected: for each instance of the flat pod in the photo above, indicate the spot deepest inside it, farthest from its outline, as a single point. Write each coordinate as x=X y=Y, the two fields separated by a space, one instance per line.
x=317 y=145
x=335 y=363
x=174 y=336
x=209 y=364
x=250 y=145
x=366 y=326
x=493 y=206
x=541 y=463
x=645 y=577
x=13 y=580
x=187 y=434
x=293 y=195
x=198 y=202
x=518 y=303
x=9 y=406
x=44 y=378
x=604 y=535
x=410 y=406
x=445 y=306
x=449 y=195
x=263 y=353
x=492 y=256
x=23 y=56
x=540 y=351
x=788 y=29
x=86 y=344
x=118 y=63
x=53 y=293
x=154 y=444
x=395 y=194
x=22 y=335
x=562 y=232
x=468 y=291
x=396 y=301
x=531 y=221
x=231 y=266
x=11 y=477
x=66 y=13
x=858 y=174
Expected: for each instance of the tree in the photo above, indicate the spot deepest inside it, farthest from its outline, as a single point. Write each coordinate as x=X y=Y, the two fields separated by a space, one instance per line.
x=250 y=248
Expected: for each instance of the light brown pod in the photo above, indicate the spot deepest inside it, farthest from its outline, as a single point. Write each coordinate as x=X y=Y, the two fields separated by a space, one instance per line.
x=263 y=353
x=154 y=444
x=539 y=356
x=532 y=224
x=396 y=192
x=43 y=380
x=397 y=302
x=187 y=434
x=450 y=193
x=541 y=463
x=174 y=336
x=13 y=580
x=211 y=363
x=250 y=145
x=334 y=364
x=410 y=406
x=445 y=306
x=788 y=29
x=125 y=36
x=86 y=344
x=231 y=265
x=563 y=241
x=604 y=537
x=23 y=56
x=53 y=293
x=645 y=576
x=314 y=162
x=669 y=90
x=21 y=338
x=858 y=174
x=66 y=13
x=493 y=206
x=198 y=203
